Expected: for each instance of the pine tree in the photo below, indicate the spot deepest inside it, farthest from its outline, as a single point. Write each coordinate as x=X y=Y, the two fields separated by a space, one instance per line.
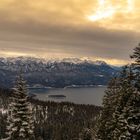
x=136 y=65
x=129 y=120
x=112 y=123
x=104 y=123
x=87 y=134
x=126 y=90
x=136 y=56
x=20 y=113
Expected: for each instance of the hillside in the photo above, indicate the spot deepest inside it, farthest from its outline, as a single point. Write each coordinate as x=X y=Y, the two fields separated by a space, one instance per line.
x=55 y=73
x=53 y=121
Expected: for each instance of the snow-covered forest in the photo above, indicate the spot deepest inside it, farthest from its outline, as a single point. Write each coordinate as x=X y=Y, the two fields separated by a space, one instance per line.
x=52 y=120
x=24 y=118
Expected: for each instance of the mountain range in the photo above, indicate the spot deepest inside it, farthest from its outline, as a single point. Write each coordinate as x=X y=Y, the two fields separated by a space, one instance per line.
x=57 y=73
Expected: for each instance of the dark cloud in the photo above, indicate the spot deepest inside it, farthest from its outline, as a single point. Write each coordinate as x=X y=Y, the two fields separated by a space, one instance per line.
x=78 y=41
x=58 y=29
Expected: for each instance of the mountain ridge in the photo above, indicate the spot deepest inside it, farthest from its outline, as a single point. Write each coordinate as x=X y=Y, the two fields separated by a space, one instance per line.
x=55 y=73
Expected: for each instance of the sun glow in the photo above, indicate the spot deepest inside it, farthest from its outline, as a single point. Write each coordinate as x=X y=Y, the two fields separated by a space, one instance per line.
x=106 y=9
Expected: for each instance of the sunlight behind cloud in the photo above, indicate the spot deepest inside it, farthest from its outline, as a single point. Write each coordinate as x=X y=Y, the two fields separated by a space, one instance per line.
x=103 y=11
x=115 y=14
x=106 y=9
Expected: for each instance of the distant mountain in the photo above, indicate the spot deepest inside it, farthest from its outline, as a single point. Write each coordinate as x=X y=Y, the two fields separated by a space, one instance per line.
x=55 y=73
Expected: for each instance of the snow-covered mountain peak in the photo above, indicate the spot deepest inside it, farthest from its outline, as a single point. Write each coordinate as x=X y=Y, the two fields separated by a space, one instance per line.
x=99 y=62
x=55 y=72
x=72 y=60
x=27 y=60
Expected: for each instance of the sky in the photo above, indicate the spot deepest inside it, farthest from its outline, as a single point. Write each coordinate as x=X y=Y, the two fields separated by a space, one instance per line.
x=97 y=29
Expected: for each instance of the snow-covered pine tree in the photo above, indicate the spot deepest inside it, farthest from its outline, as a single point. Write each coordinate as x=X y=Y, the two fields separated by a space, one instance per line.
x=20 y=114
x=129 y=120
x=86 y=134
x=126 y=90
x=115 y=100
x=104 y=123
x=120 y=117
x=136 y=65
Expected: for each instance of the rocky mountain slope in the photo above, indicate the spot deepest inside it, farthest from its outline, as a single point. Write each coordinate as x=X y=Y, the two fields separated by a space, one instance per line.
x=55 y=73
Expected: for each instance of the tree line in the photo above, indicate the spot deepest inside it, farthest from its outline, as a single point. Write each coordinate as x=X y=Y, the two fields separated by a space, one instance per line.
x=51 y=120
x=120 y=117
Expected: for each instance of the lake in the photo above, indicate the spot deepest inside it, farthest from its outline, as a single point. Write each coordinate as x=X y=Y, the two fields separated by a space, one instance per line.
x=86 y=95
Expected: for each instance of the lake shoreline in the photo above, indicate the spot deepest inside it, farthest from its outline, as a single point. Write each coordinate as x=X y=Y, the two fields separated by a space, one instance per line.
x=71 y=86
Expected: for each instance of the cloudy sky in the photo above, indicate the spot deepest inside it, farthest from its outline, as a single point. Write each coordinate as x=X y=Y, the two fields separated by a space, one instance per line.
x=97 y=29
